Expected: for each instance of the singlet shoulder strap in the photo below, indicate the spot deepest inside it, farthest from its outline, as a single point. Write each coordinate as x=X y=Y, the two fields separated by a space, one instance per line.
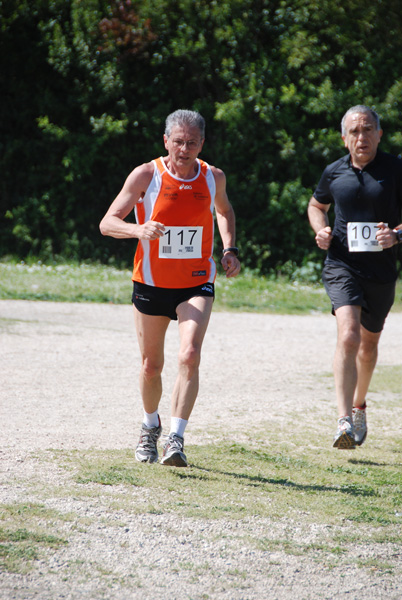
x=203 y=165
x=159 y=165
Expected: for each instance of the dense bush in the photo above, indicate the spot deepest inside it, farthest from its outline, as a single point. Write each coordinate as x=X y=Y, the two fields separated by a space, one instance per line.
x=86 y=87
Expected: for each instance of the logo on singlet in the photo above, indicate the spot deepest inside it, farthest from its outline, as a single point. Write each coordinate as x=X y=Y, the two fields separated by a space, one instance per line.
x=185 y=187
x=199 y=273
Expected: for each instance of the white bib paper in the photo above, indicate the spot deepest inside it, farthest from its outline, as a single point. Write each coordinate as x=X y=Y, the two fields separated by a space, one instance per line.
x=181 y=242
x=361 y=237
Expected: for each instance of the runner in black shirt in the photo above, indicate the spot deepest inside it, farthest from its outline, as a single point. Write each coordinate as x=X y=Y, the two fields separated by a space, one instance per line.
x=360 y=269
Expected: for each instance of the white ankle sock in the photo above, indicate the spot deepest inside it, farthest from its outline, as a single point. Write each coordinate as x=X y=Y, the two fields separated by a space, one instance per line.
x=178 y=426
x=151 y=419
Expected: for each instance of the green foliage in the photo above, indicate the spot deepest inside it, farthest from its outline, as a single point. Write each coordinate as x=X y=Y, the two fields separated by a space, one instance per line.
x=88 y=100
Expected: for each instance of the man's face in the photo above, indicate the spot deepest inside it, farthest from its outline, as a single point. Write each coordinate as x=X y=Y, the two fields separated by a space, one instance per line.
x=361 y=138
x=184 y=144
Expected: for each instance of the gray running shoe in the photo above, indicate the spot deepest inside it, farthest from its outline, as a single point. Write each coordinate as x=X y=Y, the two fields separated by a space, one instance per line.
x=359 y=425
x=344 y=438
x=173 y=454
x=146 y=450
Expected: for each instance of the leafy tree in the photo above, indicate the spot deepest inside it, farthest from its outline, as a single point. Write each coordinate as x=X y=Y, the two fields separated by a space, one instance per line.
x=87 y=99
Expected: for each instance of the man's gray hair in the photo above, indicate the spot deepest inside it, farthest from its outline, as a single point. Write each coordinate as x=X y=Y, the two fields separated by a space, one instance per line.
x=186 y=118
x=364 y=110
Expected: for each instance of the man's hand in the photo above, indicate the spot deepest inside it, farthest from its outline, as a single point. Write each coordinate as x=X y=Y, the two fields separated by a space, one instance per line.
x=230 y=264
x=324 y=238
x=386 y=237
x=151 y=230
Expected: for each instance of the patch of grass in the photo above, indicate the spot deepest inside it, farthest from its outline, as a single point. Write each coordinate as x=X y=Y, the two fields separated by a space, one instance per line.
x=21 y=544
x=297 y=549
x=235 y=481
x=376 y=566
x=251 y=293
x=387 y=378
x=98 y=283
x=17 y=558
x=64 y=283
x=109 y=475
x=324 y=504
x=346 y=500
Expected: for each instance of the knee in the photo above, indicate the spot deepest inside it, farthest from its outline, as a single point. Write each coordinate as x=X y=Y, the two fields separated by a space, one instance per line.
x=368 y=352
x=151 y=368
x=350 y=341
x=189 y=357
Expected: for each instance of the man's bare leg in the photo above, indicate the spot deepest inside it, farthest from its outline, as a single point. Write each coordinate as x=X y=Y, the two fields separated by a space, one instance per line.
x=151 y=332
x=345 y=372
x=193 y=318
x=366 y=361
x=347 y=347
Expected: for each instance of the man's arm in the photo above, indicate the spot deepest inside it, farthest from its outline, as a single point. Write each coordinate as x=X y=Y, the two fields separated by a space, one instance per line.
x=318 y=216
x=226 y=222
x=134 y=188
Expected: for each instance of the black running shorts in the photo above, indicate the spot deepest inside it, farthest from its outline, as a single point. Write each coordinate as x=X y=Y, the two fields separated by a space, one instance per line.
x=345 y=288
x=163 y=302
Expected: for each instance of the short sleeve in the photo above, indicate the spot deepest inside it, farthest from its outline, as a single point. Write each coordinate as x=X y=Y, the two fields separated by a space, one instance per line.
x=322 y=193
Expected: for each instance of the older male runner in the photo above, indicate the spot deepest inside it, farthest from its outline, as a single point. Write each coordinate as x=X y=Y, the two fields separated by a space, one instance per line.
x=174 y=198
x=359 y=274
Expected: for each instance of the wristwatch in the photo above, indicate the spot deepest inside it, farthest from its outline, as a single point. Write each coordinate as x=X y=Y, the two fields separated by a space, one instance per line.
x=398 y=233
x=231 y=249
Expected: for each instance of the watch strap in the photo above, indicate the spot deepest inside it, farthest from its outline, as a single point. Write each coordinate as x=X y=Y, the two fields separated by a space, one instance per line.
x=231 y=249
x=398 y=233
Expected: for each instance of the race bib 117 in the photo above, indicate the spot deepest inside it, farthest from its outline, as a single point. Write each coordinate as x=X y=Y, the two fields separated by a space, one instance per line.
x=181 y=242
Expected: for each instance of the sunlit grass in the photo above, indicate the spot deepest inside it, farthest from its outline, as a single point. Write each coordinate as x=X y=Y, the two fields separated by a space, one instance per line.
x=26 y=532
x=65 y=283
x=387 y=378
x=239 y=481
x=97 y=283
x=347 y=498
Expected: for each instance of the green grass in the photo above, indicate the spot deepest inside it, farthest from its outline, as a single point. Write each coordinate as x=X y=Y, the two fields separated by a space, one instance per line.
x=26 y=534
x=387 y=378
x=64 y=283
x=97 y=283
x=355 y=498
x=236 y=481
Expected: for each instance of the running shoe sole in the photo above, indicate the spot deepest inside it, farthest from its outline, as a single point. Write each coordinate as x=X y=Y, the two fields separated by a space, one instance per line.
x=146 y=459
x=344 y=442
x=175 y=460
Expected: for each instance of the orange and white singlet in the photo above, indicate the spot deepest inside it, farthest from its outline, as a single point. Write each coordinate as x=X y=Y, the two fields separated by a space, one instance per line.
x=182 y=257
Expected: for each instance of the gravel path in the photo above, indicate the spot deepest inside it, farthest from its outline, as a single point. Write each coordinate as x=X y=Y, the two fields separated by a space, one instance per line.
x=69 y=380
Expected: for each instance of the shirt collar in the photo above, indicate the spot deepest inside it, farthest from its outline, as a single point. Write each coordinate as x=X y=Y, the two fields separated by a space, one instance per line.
x=369 y=165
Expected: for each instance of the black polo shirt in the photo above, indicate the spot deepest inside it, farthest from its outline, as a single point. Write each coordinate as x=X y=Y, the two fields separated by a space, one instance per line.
x=371 y=195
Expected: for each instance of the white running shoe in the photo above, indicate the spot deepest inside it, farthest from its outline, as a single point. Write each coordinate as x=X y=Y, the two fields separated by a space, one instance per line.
x=359 y=424
x=146 y=450
x=173 y=454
